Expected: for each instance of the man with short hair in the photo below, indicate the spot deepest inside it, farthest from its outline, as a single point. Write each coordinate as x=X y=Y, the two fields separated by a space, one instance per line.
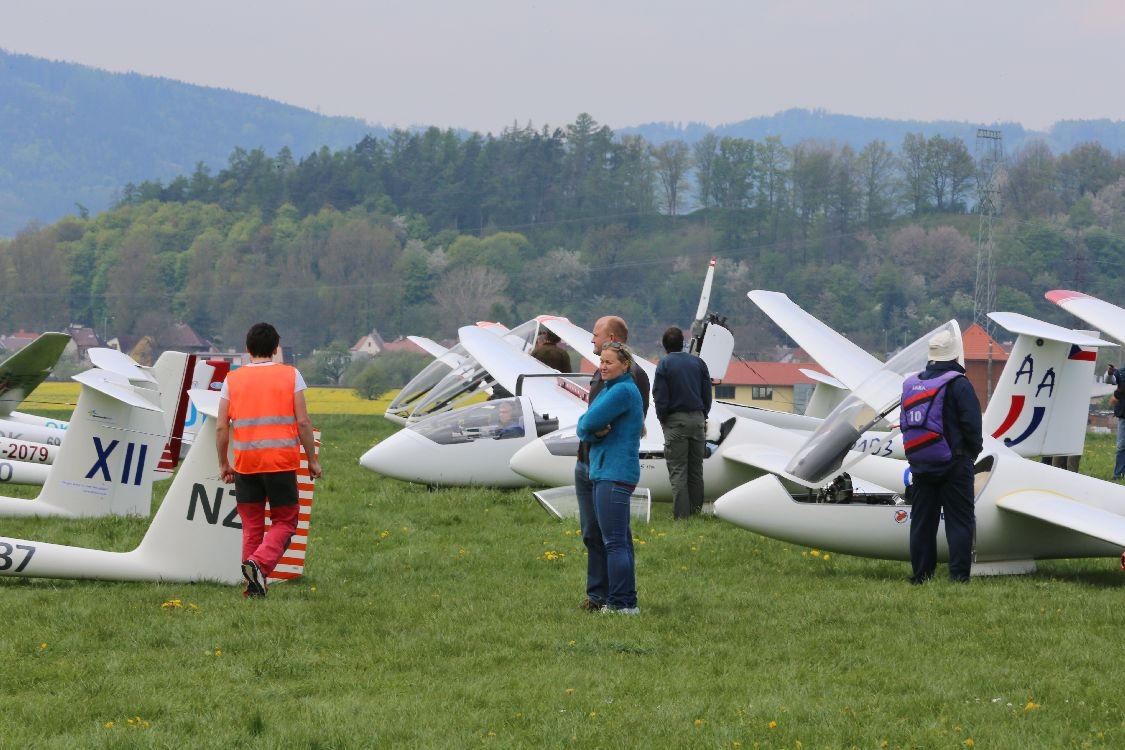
x=681 y=393
x=606 y=329
x=262 y=415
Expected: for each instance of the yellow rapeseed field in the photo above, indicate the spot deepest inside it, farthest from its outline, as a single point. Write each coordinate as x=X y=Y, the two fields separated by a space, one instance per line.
x=53 y=395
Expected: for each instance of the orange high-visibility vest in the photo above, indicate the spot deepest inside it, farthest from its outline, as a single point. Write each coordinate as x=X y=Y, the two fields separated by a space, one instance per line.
x=263 y=421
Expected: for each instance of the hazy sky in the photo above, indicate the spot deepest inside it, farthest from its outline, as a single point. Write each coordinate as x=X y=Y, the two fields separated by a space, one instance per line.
x=485 y=64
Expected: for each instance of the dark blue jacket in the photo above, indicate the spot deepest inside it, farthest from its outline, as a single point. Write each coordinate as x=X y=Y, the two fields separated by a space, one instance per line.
x=682 y=383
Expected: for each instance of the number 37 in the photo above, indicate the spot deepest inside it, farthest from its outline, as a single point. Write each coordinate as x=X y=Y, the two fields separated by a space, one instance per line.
x=8 y=554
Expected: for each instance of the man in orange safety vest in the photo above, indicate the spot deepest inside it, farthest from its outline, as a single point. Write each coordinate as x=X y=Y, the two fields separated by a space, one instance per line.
x=263 y=417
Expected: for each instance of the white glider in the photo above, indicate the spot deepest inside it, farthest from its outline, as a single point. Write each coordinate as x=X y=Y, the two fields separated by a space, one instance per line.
x=1026 y=510
x=194 y=536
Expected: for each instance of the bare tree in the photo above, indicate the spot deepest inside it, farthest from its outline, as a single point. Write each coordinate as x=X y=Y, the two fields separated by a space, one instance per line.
x=467 y=294
x=673 y=159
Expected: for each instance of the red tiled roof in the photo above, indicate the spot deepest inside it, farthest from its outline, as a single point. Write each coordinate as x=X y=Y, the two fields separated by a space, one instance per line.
x=976 y=342
x=403 y=345
x=769 y=373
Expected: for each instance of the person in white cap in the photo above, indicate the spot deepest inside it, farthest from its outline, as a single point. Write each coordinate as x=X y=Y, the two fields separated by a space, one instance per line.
x=942 y=435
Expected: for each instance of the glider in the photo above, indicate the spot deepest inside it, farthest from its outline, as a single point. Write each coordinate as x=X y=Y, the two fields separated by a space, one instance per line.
x=825 y=497
x=195 y=535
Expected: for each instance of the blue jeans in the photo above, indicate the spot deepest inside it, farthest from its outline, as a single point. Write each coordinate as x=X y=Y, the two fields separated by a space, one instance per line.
x=1119 y=464
x=611 y=505
x=597 y=574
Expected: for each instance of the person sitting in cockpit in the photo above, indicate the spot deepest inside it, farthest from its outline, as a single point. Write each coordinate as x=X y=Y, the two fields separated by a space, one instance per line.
x=509 y=425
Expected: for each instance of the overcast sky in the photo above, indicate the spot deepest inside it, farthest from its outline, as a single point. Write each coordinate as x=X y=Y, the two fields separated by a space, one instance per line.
x=486 y=64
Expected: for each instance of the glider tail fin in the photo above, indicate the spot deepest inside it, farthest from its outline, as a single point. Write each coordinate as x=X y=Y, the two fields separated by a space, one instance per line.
x=1041 y=403
x=104 y=465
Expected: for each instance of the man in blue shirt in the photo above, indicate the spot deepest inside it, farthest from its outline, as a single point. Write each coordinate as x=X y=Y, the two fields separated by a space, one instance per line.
x=681 y=393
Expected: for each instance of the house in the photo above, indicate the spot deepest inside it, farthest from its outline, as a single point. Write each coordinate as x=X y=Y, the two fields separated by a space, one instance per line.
x=780 y=386
x=13 y=342
x=984 y=360
x=369 y=345
x=181 y=337
x=82 y=339
x=403 y=344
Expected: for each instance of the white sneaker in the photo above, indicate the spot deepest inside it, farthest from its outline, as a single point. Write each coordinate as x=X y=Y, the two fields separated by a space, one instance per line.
x=621 y=610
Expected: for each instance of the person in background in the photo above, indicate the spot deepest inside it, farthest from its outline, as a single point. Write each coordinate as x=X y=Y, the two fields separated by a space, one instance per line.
x=612 y=426
x=681 y=394
x=942 y=436
x=548 y=351
x=1115 y=377
x=262 y=415
x=607 y=330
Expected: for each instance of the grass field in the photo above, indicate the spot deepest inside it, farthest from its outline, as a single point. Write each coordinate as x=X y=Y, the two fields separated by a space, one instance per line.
x=448 y=619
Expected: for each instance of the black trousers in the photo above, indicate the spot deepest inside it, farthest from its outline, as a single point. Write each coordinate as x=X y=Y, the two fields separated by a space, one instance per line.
x=951 y=492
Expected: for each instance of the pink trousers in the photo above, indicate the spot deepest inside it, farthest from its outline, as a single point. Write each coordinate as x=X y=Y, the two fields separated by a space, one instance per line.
x=258 y=545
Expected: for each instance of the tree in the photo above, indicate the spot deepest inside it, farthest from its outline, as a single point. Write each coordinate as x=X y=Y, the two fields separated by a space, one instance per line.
x=1029 y=184
x=673 y=159
x=704 y=153
x=915 y=174
x=877 y=170
x=387 y=371
x=467 y=294
x=327 y=365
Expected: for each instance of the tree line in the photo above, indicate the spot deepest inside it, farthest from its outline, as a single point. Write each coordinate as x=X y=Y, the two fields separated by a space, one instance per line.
x=421 y=232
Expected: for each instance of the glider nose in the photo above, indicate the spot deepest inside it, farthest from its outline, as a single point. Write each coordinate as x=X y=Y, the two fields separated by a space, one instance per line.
x=748 y=505
x=538 y=462
x=394 y=456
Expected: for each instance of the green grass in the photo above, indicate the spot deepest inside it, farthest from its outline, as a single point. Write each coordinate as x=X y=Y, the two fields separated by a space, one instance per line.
x=449 y=619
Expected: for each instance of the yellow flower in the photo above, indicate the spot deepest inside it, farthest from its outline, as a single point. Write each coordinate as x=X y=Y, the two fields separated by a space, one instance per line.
x=218 y=652
x=109 y=725
x=384 y=534
x=826 y=555
x=1030 y=706
x=969 y=742
x=571 y=643
x=773 y=725
x=42 y=646
x=593 y=714
x=172 y=604
x=569 y=691
x=815 y=553
x=698 y=722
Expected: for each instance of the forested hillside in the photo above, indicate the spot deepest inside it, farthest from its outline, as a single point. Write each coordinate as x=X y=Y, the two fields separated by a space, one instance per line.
x=420 y=232
x=71 y=136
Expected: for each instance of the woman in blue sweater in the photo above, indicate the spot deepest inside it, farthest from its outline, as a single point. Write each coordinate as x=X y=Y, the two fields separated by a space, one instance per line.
x=613 y=425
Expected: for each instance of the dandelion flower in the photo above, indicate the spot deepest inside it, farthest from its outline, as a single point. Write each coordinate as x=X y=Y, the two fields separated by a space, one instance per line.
x=969 y=742
x=698 y=722
x=1030 y=706
x=42 y=646
x=773 y=725
x=815 y=553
